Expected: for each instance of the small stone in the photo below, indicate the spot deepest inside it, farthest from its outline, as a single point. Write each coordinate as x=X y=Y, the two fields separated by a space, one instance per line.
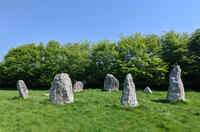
x=46 y=94
x=129 y=94
x=147 y=90
x=176 y=88
x=22 y=89
x=111 y=83
x=61 y=89
x=78 y=86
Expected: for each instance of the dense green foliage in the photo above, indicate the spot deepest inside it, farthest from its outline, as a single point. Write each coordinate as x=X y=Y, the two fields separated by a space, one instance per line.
x=140 y=56
x=94 y=110
x=38 y=64
x=148 y=58
x=104 y=56
x=194 y=52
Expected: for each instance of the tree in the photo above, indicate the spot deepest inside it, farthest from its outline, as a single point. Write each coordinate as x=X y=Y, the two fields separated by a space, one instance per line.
x=174 y=48
x=38 y=64
x=149 y=58
x=103 y=57
x=76 y=60
x=140 y=56
x=175 y=52
x=50 y=64
x=194 y=52
x=194 y=43
x=21 y=63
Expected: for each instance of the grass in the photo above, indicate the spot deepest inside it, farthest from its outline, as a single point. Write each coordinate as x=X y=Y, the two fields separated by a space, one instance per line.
x=98 y=111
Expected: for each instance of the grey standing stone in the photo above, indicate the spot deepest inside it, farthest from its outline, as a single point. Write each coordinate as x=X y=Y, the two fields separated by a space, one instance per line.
x=129 y=94
x=147 y=90
x=176 y=88
x=111 y=83
x=61 y=89
x=78 y=86
x=22 y=89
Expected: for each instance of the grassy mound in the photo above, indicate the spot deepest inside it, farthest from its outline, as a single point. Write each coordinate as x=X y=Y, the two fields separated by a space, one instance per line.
x=96 y=110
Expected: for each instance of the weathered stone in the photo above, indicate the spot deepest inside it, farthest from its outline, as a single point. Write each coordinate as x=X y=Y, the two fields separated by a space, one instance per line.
x=46 y=94
x=78 y=86
x=147 y=90
x=61 y=89
x=111 y=83
x=176 y=88
x=22 y=89
x=129 y=94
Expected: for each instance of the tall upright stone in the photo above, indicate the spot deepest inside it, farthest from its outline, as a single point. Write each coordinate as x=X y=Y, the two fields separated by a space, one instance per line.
x=111 y=83
x=61 y=89
x=78 y=86
x=176 y=88
x=129 y=94
x=22 y=89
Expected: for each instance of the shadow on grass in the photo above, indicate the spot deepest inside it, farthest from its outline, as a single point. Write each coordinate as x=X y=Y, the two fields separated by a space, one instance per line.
x=15 y=98
x=196 y=114
x=126 y=108
x=103 y=90
x=45 y=102
x=160 y=101
x=114 y=106
x=20 y=98
x=178 y=102
x=170 y=102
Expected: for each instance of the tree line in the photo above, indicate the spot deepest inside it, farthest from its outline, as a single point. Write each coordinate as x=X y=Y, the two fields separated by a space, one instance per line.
x=148 y=58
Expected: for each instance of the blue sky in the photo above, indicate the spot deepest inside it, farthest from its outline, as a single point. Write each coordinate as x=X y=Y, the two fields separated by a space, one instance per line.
x=27 y=21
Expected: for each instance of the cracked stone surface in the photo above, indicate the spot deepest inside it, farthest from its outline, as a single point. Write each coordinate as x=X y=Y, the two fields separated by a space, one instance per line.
x=176 y=88
x=129 y=94
x=22 y=89
x=111 y=83
x=61 y=89
x=78 y=86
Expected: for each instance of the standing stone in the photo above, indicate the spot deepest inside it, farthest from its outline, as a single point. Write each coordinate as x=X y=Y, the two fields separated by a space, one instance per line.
x=111 y=83
x=129 y=94
x=61 y=89
x=78 y=86
x=176 y=88
x=22 y=89
x=147 y=90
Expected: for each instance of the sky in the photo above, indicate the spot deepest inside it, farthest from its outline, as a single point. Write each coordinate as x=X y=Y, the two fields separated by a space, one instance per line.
x=35 y=21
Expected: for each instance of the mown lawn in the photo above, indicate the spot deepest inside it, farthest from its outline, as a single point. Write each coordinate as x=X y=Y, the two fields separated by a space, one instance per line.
x=95 y=110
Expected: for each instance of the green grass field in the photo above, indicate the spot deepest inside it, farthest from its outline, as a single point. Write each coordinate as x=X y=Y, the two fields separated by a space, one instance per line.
x=95 y=110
